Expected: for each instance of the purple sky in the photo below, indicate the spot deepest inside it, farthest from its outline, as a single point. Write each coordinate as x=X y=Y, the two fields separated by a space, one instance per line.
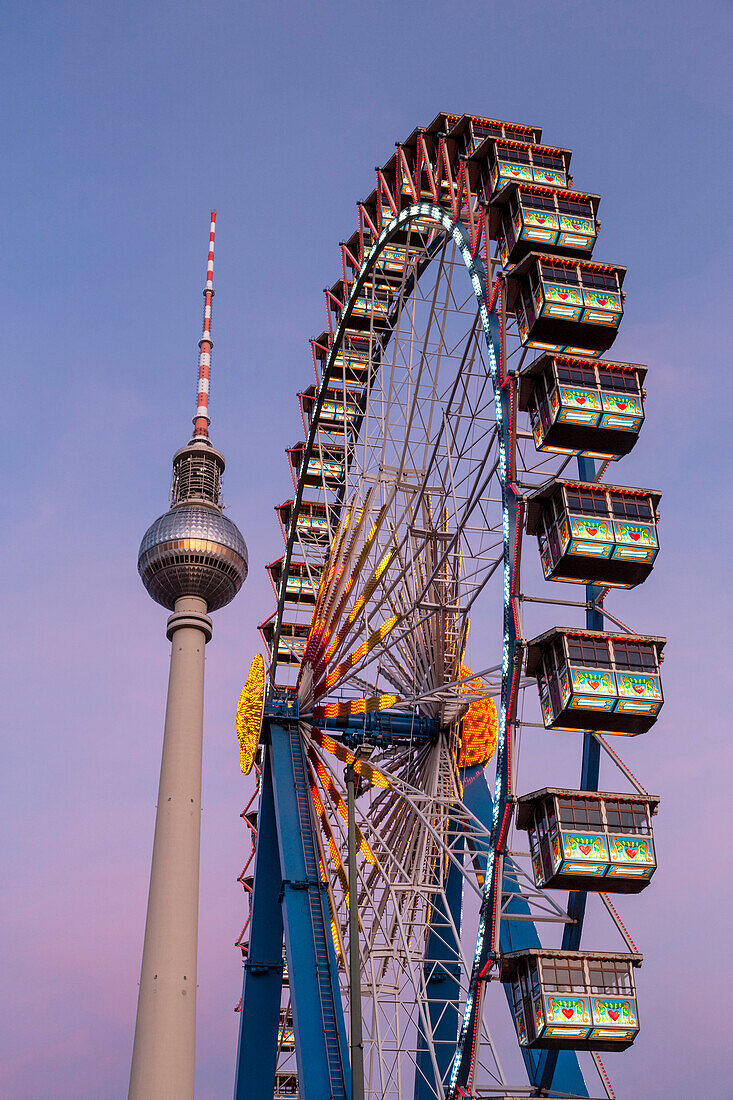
x=124 y=124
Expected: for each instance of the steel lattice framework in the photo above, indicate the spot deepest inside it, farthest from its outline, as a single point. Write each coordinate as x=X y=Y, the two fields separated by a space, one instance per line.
x=407 y=520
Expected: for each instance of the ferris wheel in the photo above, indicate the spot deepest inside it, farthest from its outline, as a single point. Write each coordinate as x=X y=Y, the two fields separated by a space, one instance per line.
x=399 y=871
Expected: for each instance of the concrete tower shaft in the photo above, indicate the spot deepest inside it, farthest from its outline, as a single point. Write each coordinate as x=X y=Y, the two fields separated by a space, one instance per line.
x=192 y=560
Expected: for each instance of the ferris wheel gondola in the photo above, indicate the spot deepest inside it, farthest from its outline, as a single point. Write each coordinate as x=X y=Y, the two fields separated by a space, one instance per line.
x=453 y=388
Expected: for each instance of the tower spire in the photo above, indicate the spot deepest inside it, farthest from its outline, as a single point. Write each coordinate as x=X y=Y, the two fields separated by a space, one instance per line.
x=192 y=560
x=202 y=419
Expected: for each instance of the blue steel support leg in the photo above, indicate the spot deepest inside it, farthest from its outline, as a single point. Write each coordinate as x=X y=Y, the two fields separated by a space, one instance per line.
x=320 y=1033
x=565 y=1076
x=258 y=1025
x=589 y=774
x=441 y=966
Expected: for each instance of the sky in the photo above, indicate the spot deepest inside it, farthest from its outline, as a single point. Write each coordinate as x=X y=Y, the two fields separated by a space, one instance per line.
x=124 y=124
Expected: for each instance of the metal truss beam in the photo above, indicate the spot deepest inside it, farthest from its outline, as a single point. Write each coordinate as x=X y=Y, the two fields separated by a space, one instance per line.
x=441 y=968
x=566 y=1078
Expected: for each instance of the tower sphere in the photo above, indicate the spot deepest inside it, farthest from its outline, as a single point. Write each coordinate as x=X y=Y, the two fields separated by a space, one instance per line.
x=193 y=550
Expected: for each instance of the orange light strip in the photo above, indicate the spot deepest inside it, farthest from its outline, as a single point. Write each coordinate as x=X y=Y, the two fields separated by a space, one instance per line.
x=359 y=654
x=323 y=614
x=356 y=610
x=361 y=767
x=331 y=843
x=340 y=806
x=328 y=615
x=604 y=364
x=334 y=614
x=329 y=572
x=356 y=706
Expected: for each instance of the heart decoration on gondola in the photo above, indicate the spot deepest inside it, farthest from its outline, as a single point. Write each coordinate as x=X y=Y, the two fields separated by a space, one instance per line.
x=568 y=1013
x=621 y=405
x=635 y=535
x=581 y=400
x=638 y=688
x=614 y=1014
x=631 y=852
x=594 y=684
x=585 y=849
x=592 y=531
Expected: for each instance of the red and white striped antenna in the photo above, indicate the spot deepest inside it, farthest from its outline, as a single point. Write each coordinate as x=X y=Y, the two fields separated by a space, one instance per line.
x=202 y=419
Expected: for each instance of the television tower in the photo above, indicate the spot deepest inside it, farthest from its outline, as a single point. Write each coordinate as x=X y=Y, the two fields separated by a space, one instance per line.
x=192 y=560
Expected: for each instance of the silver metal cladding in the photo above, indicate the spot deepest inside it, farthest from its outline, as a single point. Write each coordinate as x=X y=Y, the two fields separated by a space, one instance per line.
x=193 y=550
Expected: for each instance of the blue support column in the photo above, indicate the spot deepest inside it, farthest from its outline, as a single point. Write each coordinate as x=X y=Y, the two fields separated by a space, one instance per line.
x=590 y=767
x=442 y=969
x=589 y=774
x=320 y=1033
x=260 y=1012
x=565 y=1073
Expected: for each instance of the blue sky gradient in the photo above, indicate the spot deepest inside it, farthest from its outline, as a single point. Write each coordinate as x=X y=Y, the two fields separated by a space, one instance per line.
x=124 y=124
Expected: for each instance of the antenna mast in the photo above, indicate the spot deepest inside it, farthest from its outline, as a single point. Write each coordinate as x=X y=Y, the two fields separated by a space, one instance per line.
x=202 y=419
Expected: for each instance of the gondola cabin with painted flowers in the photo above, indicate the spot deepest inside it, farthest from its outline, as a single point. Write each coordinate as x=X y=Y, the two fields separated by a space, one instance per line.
x=300 y=582
x=586 y=840
x=525 y=162
x=583 y=406
x=566 y=305
x=572 y=1000
x=589 y=532
x=523 y=216
x=597 y=680
x=291 y=639
x=324 y=467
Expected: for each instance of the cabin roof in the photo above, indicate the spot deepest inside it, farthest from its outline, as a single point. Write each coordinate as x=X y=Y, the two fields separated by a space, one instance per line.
x=503 y=196
x=536 y=645
x=524 y=265
x=534 y=501
x=460 y=125
x=527 y=802
x=537 y=366
x=552 y=150
x=510 y=960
